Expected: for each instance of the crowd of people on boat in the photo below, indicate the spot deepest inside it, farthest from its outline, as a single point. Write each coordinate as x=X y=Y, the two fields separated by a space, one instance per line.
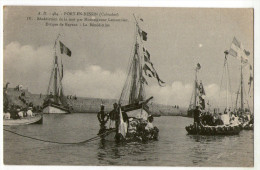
x=139 y=127
x=18 y=112
x=228 y=117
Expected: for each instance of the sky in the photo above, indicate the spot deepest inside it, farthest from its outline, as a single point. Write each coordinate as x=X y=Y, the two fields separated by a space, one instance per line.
x=178 y=39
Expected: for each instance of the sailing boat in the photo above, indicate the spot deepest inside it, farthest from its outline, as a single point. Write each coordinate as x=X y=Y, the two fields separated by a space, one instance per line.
x=9 y=115
x=55 y=101
x=222 y=125
x=198 y=95
x=238 y=52
x=132 y=113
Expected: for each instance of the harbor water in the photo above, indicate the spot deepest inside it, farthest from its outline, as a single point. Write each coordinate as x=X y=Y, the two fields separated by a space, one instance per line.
x=174 y=147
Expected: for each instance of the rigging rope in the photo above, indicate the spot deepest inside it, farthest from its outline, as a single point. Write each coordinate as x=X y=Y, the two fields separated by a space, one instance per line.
x=221 y=82
x=50 y=81
x=246 y=98
x=85 y=141
x=229 y=85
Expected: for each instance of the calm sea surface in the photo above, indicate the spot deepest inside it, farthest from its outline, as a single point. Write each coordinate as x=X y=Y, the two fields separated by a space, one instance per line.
x=174 y=148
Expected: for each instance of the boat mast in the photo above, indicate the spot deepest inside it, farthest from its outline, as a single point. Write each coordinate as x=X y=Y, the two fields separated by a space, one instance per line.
x=55 y=79
x=195 y=89
x=55 y=82
x=241 y=90
x=226 y=70
x=237 y=93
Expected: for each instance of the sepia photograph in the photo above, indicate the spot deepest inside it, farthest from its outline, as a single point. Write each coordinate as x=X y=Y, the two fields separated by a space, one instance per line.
x=128 y=86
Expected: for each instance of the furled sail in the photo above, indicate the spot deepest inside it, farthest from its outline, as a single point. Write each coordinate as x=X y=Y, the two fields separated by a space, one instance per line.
x=198 y=95
x=140 y=68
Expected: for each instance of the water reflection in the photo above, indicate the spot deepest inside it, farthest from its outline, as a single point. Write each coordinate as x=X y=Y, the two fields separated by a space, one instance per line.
x=108 y=151
x=206 y=139
x=174 y=148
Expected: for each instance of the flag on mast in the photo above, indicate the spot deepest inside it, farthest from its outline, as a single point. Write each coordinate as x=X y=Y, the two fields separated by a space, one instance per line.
x=237 y=51
x=251 y=78
x=142 y=33
x=64 y=49
x=198 y=66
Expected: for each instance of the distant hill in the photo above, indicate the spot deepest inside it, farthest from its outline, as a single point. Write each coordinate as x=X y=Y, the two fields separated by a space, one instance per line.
x=86 y=104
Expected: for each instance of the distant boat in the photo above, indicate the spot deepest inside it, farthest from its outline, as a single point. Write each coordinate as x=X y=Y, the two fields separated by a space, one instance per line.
x=133 y=93
x=56 y=101
x=24 y=121
x=198 y=94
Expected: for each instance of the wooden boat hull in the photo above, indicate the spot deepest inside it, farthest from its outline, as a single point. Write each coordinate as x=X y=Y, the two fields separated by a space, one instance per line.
x=111 y=136
x=248 y=127
x=38 y=119
x=51 y=108
x=213 y=130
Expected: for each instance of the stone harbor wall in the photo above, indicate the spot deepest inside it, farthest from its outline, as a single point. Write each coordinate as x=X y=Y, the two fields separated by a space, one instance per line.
x=85 y=104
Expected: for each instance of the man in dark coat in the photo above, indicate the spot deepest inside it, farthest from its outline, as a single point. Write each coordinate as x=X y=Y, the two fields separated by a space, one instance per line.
x=113 y=115
x=102 y=118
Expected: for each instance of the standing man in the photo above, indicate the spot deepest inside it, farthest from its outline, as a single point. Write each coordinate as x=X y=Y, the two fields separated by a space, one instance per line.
x=113 y=115
x=102 y=118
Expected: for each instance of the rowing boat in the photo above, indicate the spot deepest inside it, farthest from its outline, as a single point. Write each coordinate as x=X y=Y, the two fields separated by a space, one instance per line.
x=37 y=119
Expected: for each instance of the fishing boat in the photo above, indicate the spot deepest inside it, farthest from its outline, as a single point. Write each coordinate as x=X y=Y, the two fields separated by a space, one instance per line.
x=213 y=130
x=198 y=95
x=216 y=126
x=37 y=119
x=132 y=118
x=8 y=120
x=56 y=101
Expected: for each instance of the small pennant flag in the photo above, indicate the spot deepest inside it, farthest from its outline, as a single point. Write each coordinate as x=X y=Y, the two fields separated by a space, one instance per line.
x=159 y=80
x=146 y=56
x=64 y=50
x=251 y=75
x=201 y=89
x=250 y=80
x=198 y=66
x=144 y=36
x=151 y=72
x=246 y=52
x=148 y=71
x=144 y=80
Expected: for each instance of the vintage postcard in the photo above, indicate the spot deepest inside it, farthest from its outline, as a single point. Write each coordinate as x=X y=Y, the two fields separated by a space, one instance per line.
x=128 y=86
